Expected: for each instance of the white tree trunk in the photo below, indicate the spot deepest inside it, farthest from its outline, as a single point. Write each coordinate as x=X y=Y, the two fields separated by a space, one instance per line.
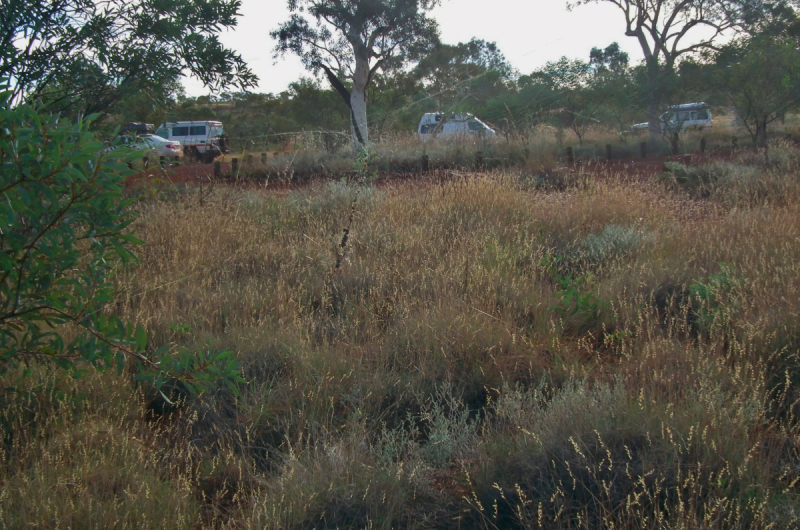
x=358 y=105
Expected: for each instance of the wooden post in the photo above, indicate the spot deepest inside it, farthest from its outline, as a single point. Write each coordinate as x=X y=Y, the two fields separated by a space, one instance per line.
x=702 y=145
x=217 y=169
x=235 y=165
x=643 y=149
x=162 y=161
x=570 y=156
x=425 y=163
x=479 y=160
x=177 y=160
x=249 y=160
x=735 y=143
x=608 y=152
x=264 y=159
x=675 y=143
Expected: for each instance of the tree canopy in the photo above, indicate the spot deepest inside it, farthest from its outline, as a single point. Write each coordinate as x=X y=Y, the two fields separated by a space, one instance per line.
x=86 y=56
x=352 y=40
x=670 y=29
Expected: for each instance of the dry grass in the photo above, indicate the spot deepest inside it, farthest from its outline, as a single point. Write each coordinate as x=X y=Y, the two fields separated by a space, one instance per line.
x=613 y=354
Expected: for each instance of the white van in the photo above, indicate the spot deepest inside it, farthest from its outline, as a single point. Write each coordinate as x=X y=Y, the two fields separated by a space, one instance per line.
x=436 y=124
x=203 y=140
x=689 y=116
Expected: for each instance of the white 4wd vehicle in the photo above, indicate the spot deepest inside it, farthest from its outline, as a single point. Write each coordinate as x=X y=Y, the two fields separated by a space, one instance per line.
x=679 y=118
x=203 y=140
x=436 y=124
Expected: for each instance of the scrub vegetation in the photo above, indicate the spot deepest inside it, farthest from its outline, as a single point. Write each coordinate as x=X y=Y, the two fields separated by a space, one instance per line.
x=490 y=354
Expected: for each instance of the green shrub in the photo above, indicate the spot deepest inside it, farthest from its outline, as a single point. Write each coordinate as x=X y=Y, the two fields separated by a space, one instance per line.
x=450 y=429
x=64 y=230
x=614 y=241
x=697 y=180
x=713 y=297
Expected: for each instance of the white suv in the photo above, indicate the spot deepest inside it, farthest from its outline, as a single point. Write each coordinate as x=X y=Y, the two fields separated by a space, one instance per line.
x=203 y=140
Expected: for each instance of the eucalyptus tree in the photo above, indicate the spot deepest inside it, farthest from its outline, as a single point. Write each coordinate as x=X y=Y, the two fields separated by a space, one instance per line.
x=475 y=69
x=350 y=41
x=668 y=30
x=86 y=56
x=761 y=78
x=575 y=102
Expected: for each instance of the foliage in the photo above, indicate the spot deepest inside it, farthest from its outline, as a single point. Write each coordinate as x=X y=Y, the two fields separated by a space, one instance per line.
x=576 y=102
x=356 y=39
x=450 y=428
x=64 y=231
x=761 y=79
x=578 y=306
x=458 y=75
x=668 y=30
x=712 y=297
x=614 y=241
x=698 y=180
x=85 y=57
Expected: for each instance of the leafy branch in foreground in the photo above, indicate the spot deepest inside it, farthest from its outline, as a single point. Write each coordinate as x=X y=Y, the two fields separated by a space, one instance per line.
x=64 y=228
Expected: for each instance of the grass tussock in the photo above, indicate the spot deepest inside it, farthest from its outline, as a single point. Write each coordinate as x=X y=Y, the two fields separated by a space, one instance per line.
x=614 y=354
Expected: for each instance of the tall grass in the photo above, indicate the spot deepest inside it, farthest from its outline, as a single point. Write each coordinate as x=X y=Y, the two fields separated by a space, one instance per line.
x=610 y=353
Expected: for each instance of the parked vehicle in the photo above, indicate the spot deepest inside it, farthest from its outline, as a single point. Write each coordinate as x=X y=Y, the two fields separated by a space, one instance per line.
x=437 y=125
x=154 y=145
x=203 y=140
x=680 y=118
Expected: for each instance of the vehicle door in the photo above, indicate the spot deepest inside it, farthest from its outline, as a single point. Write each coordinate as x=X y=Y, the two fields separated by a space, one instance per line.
x=199 y=135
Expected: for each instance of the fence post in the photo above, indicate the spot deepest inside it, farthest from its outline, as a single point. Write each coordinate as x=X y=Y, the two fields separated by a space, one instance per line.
x=675 y=143
x=217 y=169
x=264 y=159
x=643 y=149
x=425 y=163
x=235 y=165
x=479 y=160
x=177 y=160
x=703 y=144
x=162 y=161
x=570 y=156
x=608 y=152
x=249 y=160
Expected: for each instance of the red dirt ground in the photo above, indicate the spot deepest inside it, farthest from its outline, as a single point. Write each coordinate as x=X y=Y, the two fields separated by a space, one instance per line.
x=198 y=173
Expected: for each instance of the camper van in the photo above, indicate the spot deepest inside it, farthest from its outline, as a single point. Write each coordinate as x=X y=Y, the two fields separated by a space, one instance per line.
x=437 y=125
x=204 y=140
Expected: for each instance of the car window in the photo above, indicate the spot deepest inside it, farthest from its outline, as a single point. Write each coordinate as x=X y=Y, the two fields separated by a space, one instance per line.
x=701 y=115
x=197 y=130
x=475 y=126
x=163 y=132
x=180 y=131
x=216 y=131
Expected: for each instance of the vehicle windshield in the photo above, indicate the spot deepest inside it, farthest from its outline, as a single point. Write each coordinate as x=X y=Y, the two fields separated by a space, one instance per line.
x=216 y=131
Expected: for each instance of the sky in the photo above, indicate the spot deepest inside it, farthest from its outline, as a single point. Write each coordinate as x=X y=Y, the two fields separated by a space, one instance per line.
x=528 y=32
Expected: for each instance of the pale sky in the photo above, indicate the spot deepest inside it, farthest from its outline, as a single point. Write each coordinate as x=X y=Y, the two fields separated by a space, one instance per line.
x=528 y=32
